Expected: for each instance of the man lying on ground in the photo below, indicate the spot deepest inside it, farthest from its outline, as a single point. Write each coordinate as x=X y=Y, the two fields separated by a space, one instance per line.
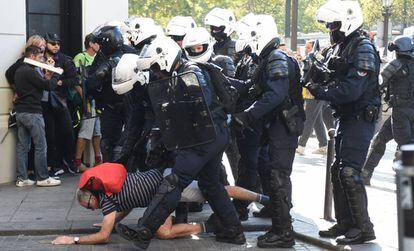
x=137 y=191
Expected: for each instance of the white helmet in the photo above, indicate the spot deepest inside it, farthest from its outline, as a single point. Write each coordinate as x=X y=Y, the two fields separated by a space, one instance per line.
x=126 y=74
x=135 y=23
x=259 y=30
x=162 y=51
x=243 y=31
x=219 y=17
x=179 y=26
x=198 y=36
x=347 y=12
x=142 y=30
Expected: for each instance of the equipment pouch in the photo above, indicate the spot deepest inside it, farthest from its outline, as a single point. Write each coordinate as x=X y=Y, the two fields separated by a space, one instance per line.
x=289 y=118
x=371 y=113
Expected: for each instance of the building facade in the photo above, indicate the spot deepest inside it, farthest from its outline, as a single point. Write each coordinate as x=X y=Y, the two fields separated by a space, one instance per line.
x=19 y=19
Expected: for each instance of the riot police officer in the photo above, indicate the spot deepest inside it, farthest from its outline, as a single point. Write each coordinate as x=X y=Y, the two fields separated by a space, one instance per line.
x=398 y=82
x=354 y=94
x=280 y=103
x=178 y=27
x=199 y=159
x=222 y=23
x=398 y=76
x=99 y=85
x=142 y=31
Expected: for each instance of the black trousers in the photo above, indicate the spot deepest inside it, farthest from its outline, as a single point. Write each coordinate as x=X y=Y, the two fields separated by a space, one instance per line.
x=59 y=135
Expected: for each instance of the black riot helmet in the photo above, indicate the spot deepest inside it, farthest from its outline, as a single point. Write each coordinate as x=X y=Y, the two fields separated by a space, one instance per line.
x=109 y=38
x=402 y=45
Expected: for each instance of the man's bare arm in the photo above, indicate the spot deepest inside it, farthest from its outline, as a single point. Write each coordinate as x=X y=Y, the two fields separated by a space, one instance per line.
x=98 y=238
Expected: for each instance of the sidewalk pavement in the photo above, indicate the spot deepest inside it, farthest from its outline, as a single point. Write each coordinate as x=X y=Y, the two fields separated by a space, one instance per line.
x=52 y=211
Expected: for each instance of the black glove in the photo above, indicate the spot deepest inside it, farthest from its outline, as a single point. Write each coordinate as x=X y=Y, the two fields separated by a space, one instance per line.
x=241 y=121
x=315 y=89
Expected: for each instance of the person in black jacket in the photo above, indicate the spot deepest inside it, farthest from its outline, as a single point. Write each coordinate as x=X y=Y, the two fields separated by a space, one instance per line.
x=29 y=87
x=60 y=137
x=35 y=40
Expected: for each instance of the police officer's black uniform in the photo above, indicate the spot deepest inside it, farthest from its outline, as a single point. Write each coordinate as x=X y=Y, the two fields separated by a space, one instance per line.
x=355 y=97
x=99 y=85
x=279 y=102
x=398 y=82
x=201 y=162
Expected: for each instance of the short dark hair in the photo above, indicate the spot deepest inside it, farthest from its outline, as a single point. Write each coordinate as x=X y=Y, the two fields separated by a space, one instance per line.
x=32 y=50
x=90 y=38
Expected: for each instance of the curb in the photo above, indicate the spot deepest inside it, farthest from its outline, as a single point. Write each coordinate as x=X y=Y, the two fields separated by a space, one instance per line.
x=320 y=243
x=326 y=244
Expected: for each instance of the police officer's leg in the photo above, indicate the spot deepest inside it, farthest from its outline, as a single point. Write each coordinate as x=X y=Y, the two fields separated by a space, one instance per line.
x=249 y=146
x=342 y=213
x=282 y=147
x=187 y=165
x=402 y=119
x=215 y=193
x=233 y=155
x=111 y=125
x=281 y=233
x=377 y=150
x=263 y=168
x=355 y=144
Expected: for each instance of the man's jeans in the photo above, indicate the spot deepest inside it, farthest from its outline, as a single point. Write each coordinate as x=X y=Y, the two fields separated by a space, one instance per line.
x=31 y=125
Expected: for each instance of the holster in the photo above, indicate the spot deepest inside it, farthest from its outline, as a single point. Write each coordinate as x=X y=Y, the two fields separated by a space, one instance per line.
x=371 y=113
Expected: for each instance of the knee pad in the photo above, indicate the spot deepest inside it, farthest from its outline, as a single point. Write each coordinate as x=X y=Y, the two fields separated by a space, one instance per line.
x=350 y=177
x=278 y=179
x=169 y=183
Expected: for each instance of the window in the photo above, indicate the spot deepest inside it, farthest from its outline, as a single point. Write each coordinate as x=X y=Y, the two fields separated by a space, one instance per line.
x=56 y=16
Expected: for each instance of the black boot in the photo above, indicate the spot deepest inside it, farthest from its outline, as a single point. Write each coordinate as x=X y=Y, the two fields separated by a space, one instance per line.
x=232 y=235
x=195 y=207
x=354 y=188
x=334 y=231
x=241 y=208
x=342 y=213
x=265 y=212
x=140 y=239
x=181 y=213
x=282 y=239
x=281 y=234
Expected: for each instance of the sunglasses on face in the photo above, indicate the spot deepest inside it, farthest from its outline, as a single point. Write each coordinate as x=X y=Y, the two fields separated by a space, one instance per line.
x=54 y=43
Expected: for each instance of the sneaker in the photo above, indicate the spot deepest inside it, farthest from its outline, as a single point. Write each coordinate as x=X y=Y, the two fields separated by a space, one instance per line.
x=49 y=182
x=23 y=183
x=57 y=172
x=300 y=150
x=321 y=150
x=70 y=166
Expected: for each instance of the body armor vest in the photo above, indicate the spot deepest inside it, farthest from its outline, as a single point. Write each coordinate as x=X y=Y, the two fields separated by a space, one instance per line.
x=348 y=57
x=401 y=85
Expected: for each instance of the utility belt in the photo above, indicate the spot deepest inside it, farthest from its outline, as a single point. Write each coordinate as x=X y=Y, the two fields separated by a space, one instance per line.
x=369 y=114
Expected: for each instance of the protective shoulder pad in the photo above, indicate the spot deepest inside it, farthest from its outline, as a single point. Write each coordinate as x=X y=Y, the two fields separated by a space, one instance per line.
x=277 y=65
x=390 y=69
x=365 y=56
x=226 y=64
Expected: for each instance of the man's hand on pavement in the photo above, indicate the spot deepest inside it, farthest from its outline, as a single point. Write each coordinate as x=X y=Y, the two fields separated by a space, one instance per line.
x=63 y=240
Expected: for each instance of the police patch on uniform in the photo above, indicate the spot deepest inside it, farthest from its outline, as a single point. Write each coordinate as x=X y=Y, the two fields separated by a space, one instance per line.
x=362 y=73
